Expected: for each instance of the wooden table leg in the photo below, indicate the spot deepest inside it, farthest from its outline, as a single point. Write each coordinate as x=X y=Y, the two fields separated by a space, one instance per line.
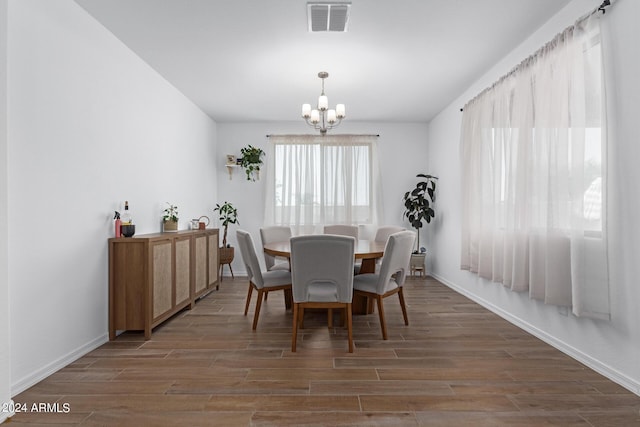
x=368 y=266
x=360 y=304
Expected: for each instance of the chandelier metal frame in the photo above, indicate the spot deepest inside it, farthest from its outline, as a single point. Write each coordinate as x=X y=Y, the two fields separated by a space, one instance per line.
x=322 y=118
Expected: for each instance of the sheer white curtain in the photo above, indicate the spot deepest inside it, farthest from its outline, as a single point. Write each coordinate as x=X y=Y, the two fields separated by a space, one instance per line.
x=318 y=180
x=533 y=152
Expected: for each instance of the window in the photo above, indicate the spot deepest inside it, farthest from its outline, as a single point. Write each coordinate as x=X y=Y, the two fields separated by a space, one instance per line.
x=322 y=180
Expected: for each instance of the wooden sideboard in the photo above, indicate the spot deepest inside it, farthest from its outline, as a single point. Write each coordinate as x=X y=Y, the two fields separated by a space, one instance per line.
x=154 y=276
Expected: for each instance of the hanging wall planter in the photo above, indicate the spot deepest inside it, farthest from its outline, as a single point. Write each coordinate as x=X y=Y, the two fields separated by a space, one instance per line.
x=251 y=161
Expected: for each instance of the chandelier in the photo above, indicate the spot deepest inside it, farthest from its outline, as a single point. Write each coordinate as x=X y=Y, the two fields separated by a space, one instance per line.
x=323 y=118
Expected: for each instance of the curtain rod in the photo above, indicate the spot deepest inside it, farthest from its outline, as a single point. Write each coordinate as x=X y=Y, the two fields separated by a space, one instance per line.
x=604 y=4
x=358 y=134
x=601 y=8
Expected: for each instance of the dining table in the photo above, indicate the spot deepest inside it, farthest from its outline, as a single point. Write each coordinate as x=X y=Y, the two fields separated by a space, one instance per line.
x=367 y=251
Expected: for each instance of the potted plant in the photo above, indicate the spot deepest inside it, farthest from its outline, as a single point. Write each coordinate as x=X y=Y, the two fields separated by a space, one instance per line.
x=170 y=218
x=228 y=215
x=251 y=161
x=418 y=204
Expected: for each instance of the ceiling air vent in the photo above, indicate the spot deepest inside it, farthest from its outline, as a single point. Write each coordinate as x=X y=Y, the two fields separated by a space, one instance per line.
x=328 y=16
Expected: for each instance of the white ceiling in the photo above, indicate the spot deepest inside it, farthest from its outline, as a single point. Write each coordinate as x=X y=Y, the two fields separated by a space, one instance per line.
x=253 y=60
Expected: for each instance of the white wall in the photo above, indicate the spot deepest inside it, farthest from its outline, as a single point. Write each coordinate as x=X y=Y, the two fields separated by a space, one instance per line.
x=609 y=347
x=90 y=125
x=402 y=148
x=5 y=355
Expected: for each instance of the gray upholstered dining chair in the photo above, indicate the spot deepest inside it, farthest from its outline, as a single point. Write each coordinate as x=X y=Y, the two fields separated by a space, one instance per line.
x=382 y=234
x=322 y=277
x=342 y=230
x=263 y=282
x=345 y=230
x=275 y=234
x=389 y=281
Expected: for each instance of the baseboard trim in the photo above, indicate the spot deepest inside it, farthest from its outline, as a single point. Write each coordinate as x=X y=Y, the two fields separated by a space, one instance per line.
x=241 y=273
x=37 y=376
x=595 y=364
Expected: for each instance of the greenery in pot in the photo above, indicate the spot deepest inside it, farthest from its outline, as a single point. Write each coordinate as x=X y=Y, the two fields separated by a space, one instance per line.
x=170 y=217
x=170 y=213
x=418 y=203
x=228 y=215
x=251 y=161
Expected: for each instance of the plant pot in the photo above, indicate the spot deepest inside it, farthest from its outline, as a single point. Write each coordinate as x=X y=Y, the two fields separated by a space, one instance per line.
x=226 y=255
x=170 y=226
x=416 y=264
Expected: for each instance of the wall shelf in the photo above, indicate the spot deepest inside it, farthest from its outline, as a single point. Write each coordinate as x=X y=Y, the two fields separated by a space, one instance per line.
x=230 y=169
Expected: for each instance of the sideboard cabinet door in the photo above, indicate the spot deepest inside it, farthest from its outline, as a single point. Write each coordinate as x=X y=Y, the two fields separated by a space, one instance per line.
x=201 y=265
x=213 y=256
x=206 y=262
x=183 y=271
x=162 y=282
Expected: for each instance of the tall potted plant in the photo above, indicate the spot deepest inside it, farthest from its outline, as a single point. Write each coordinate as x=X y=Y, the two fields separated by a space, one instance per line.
x=251 y=161
x=228 y=215
x=418 y=204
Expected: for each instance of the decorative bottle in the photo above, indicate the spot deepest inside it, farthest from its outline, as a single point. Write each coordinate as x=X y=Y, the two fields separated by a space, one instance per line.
x=128 y=229
x=126 y=215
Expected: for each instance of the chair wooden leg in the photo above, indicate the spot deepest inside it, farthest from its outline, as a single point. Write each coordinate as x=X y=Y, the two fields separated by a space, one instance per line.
x=301 y=317
x=383 y=324
x=231 y=269
x=246 y=306
x=266 y=295
x=258 y=305
x=294 y=336
x=403 y=307
x=349 y=327
x=330 y=318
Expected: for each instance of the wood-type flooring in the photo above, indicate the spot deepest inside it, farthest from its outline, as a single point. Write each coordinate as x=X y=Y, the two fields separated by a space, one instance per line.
x=456 y=364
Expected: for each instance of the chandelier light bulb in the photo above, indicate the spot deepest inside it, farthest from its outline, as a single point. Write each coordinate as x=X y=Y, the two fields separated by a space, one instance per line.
x=315 y=116
x=306 y=111
x=323 y=118
x=323 y=103
x=331 y=116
